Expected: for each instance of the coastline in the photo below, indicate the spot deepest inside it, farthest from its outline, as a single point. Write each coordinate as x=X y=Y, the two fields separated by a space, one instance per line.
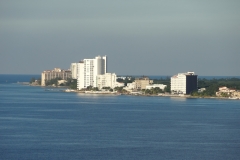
x=163 y=95
x=131 y=94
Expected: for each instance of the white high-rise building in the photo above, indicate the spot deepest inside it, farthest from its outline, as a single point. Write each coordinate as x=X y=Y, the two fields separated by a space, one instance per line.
x=184 y=83
x=74 y=70
x=80 y=75
x=88 y=69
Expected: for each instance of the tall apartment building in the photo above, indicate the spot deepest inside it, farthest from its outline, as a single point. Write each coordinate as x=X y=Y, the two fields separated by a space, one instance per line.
x=55 y=73
x=142 y=82
x=74 y=70
x=184 y=83
x=88 y=69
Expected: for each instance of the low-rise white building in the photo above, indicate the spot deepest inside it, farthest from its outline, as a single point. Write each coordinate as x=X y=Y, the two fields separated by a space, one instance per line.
x=119 y=84
x=201 y=89
x=61 y=82
x=106 y=80
x=161 y=86
x=130 y=86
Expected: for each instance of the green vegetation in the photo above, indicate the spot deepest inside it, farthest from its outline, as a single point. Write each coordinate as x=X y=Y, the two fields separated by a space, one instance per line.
x=32 y=80
x=224 y=95
x=53 y=82
x=108 y=88
x=120 y=90
x=71 y=83
x=213 y=85
x=152 y=91
x=35 y=81
x=91 y=88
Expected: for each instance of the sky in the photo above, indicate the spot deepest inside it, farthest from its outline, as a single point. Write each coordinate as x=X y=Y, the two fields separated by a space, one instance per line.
x=157 y=37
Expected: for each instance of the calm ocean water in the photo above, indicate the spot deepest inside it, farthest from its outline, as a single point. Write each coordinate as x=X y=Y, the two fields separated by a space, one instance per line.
x=14 y=78
x=49 y=124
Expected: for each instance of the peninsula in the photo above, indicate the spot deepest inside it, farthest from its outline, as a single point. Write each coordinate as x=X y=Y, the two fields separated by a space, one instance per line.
x=91 y=76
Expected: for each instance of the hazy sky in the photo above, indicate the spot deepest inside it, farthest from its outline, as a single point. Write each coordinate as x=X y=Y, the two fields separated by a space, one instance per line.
x=140 y=37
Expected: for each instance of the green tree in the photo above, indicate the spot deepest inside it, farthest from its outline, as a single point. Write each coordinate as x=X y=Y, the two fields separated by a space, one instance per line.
x=39 y=81
x=72 y=83
x=212 y=86
x=32 y=80
x=53 y=81
x=89 y=88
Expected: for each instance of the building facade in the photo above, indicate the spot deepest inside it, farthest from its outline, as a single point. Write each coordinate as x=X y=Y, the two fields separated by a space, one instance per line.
x=119 y=84
x=161 y=86
x=130 y=86
x=89 y=69
x=142 y=82
x=55 y=73
x=184 y=83
x=106 y=80
x=74 y=70
x=227 y=91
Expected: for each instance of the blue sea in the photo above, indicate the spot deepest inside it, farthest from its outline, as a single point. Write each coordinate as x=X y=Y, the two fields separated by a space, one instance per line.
x=14 y=78
x=39 y=123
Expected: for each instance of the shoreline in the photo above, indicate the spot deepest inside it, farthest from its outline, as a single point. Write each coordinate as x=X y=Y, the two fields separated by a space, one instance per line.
x=132 y=94
x=167 y=95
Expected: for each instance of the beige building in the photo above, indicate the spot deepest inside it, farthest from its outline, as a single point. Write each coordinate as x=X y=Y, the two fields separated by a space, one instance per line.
x=142 y=82
x=227 y=91
x=56 y=73
x=236 y=94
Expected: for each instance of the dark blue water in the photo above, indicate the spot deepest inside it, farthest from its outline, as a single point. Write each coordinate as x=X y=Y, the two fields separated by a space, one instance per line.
x=40 y=124
x=14 y=78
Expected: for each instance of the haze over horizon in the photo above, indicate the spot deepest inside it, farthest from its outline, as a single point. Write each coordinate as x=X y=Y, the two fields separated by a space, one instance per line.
x=158 y=37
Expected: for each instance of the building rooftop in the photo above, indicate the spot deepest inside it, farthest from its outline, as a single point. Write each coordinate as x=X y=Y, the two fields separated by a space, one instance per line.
x=57 y=70
x=187 y=74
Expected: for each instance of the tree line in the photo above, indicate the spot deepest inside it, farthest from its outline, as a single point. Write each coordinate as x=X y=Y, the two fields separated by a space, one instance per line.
x=212 y=85
x=71 y=83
